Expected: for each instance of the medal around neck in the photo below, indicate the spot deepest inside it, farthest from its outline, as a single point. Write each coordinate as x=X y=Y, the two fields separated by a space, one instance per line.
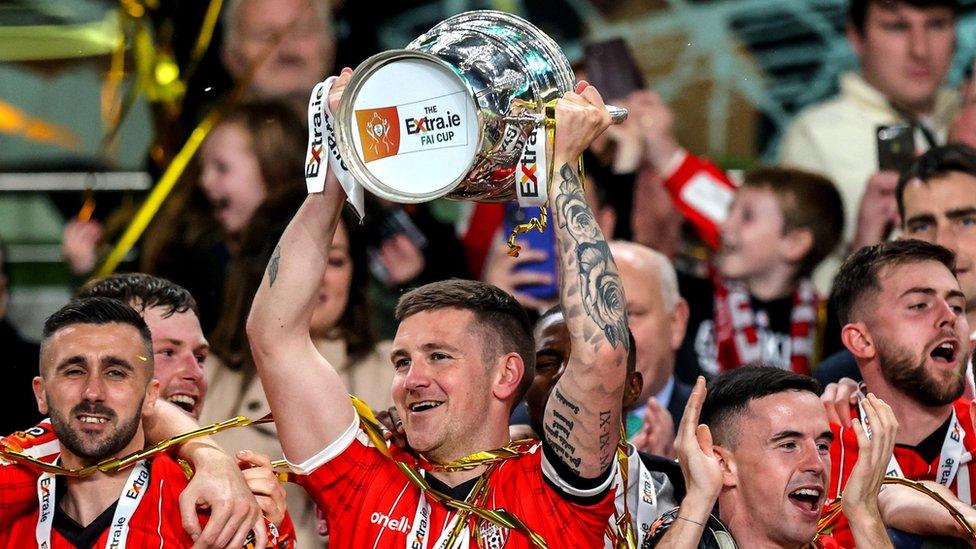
x=461 y=112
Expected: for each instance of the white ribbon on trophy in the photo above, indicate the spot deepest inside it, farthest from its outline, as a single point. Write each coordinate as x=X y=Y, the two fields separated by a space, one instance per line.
x=321 y=138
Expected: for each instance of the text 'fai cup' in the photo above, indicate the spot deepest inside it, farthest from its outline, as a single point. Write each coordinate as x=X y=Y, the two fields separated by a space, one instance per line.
x=460 y=112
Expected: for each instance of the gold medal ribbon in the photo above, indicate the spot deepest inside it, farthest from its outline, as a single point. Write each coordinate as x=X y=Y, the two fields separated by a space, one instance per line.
x=11 y=453
x=621 y=534
x=471 y=506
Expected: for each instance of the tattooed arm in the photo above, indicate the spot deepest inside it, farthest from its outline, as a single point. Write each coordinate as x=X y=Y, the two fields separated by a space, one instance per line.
x=306 y=395
x=582 y=418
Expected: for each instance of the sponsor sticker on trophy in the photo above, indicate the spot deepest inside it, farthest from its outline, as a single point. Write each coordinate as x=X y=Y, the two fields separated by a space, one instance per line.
x=413 y=129
x=425 y=125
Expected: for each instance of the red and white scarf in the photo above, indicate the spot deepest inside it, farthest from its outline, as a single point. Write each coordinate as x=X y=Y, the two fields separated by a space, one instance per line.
x=737 y=331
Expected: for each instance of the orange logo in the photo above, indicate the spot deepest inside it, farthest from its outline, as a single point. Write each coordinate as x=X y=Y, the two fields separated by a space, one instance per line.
x=379 y=131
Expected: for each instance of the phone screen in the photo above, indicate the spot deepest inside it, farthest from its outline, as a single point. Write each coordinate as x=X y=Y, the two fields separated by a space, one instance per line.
x=393 y=223
x=545 y=240
x=611 y=69
x=896 y=147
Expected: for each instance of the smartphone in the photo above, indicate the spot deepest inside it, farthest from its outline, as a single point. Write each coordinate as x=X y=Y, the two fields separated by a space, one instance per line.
x=394 y=222
x=896 y=147
x=545 y=240
x=611 y=68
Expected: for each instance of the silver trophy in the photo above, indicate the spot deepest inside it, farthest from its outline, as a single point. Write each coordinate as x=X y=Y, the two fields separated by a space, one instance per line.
x=457 y=113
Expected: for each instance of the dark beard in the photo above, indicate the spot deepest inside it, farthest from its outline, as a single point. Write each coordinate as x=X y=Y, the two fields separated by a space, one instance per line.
x=909 y=376
x=76 y=442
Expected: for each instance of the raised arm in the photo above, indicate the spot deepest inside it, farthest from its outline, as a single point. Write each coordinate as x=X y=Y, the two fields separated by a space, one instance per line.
x=306 y=395
x=860 y=496
x=583 y=413
x=703 y=476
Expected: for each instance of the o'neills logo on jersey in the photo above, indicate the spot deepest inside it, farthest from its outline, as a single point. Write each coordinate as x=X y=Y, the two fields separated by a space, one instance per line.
x=492 y=536
x=137 y=484
x=397 y=525
x=45 y=486
x=379 y=131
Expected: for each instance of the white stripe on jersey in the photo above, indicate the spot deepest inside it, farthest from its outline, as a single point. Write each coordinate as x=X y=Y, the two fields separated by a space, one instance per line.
x=159 y=514
x=390 y=512
x=840 y=481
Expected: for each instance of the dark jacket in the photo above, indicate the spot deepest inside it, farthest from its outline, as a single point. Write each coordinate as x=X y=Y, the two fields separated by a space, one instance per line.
x=19 y=363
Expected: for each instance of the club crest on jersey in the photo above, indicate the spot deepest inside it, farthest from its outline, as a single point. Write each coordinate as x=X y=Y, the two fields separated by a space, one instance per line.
x=492 y=536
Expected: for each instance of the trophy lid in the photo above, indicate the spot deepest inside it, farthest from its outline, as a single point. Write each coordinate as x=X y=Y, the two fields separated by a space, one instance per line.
x=408 y=127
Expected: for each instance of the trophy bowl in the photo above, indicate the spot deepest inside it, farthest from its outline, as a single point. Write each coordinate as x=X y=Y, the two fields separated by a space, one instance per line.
x=452 y=114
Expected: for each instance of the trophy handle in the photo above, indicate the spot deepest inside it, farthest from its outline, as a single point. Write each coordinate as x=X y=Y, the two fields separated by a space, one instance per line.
x=617 y=116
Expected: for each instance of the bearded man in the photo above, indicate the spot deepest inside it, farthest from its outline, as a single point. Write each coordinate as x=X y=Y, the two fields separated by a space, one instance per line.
x=903 y=317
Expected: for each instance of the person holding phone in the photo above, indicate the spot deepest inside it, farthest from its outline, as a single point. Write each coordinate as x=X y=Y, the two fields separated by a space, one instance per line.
x=905 y=49
x=531 y=278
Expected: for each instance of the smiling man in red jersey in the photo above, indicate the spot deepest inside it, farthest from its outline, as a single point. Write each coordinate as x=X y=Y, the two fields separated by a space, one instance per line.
x=97 y=385
x=758 y=445
x=179 y=347
x=903 y=318
x=462 y=359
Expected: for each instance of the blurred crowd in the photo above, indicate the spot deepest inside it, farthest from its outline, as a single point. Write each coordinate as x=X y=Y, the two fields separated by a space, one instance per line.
x=728 y=276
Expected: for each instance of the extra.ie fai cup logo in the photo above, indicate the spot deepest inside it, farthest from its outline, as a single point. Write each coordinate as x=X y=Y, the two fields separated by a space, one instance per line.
x=379 y=132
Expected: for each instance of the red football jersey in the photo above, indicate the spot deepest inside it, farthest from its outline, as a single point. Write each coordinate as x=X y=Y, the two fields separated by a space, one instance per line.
x=843 y=455
x=155 y=522
x=368 y=502
x=18 y=485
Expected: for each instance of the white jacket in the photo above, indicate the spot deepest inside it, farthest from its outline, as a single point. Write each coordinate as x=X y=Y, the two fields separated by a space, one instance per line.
x=838 y=138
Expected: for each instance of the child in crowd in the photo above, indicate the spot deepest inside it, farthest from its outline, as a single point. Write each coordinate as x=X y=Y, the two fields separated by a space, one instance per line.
x=251 y=157
x=759 y=304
